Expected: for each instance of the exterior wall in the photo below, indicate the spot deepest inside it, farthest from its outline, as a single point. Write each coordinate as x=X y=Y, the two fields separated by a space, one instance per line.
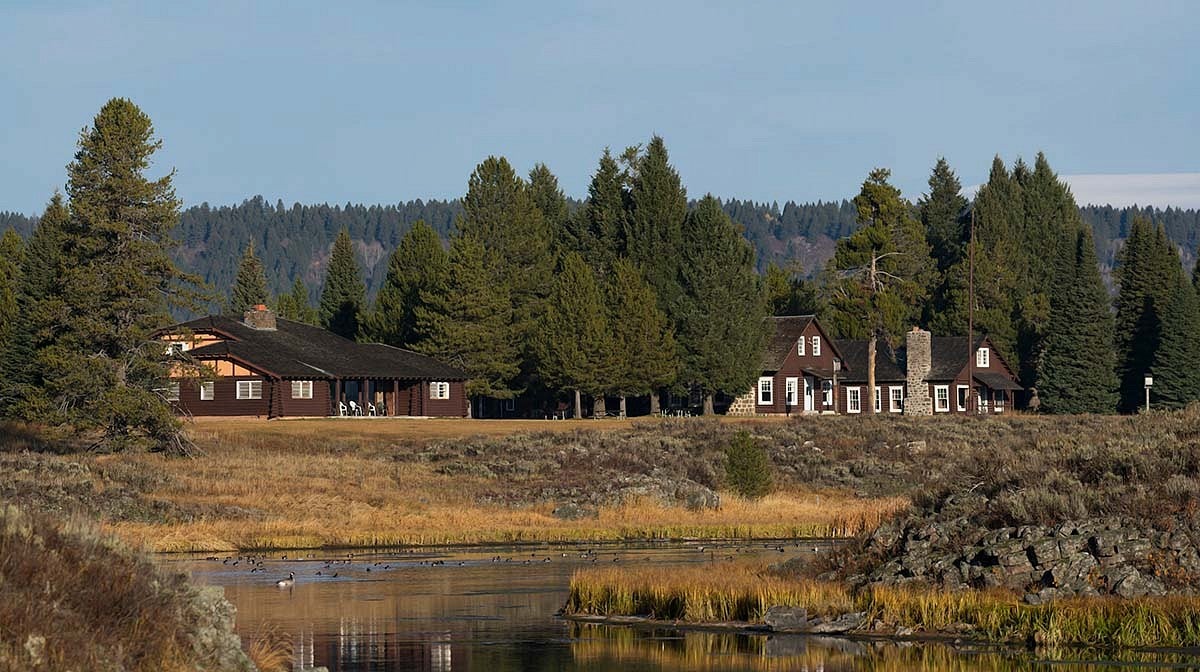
x=224 y=401
x=454 y=407
x=885 y=391
x=319 y=406
x=793 y=367
x=745 y=404
x=995 y=365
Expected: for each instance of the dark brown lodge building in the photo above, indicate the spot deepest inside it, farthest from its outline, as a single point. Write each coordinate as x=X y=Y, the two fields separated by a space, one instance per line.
x=270 y=367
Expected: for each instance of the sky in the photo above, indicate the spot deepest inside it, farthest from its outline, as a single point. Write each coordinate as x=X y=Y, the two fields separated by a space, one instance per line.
x=380 y=102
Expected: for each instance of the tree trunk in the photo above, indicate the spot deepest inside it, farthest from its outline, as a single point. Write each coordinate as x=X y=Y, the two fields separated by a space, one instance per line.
x=708 y=405
x=623 y=414
x=578 y=412
x=871 y=372
x=599 y=406
x=655 y=409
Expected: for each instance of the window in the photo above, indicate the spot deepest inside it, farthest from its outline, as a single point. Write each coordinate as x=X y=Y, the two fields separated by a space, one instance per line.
x=800 y=346
x=176 y=348
x=439 y=390
x=827 y=392
x=854 y=400
x=816 y=346
x=249 y=389
x=302 y=389
x=983 y=358
x=173 y=391
x=896 y=400
x=765 y=390
x=962 y=397
x=791 y=389
x=206 y=390
x=878 y=400
x=941 y=398
x=510 y=404
x=1001 y=399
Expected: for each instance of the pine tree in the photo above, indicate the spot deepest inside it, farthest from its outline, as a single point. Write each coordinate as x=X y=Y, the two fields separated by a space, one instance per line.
x=1148 y=270
x=11 y=262
x=250 y=285
x=654 y=227
x=599 y=236
x=470 y=324
x=788 y=293
x=344 y=295
x=104 y=372
x=941 y=212
x=548 y=198
x=295 y=304
x=721 y=327
x=643 y=343
x=574 y=344
x=993 y=302
x=418 y=265
x=1077 y=366
x=1176 y=367
x=37 y=303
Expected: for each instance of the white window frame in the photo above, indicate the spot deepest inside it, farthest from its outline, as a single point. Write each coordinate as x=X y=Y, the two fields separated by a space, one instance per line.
x=941 y=404
x=249 y=389
x=302 y=389
x=800 y=346
x=827 y=393
x=983 y=358
x=816 y=346
x=791 y=391
x=896 y=401
x=854 y=400
x=766 y=391
x=878 y=399
x=208 y=390
x=172 y=390
x=439 y=390
x=962 y=395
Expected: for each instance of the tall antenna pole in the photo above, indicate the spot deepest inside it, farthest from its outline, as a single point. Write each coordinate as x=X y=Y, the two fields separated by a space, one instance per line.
x=971 y=318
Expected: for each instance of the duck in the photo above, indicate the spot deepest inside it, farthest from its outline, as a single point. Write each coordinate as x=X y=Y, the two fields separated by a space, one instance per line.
x=288 y=582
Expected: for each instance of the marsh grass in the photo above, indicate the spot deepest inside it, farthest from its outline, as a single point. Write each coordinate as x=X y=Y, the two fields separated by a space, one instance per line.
x=743 y=591
x=270 y=649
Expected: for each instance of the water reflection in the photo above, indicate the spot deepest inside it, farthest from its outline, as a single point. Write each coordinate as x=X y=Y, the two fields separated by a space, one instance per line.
x=495 y=609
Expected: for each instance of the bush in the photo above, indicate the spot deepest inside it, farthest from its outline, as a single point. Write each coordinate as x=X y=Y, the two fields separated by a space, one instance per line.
x=747 y=467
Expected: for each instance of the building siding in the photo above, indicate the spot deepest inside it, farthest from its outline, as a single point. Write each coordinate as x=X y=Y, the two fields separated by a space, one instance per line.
x=793 y=367
x=224 y=401
x=320 y=405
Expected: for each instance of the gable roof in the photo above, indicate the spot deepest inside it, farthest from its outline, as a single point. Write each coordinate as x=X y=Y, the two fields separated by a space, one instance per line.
x=888 y=366
x=787 y=330
x=949 y=356
x=297 y=350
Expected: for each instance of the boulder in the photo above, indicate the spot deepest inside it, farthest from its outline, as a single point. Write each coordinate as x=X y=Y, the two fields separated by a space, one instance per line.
x=843 y=623
x=573 y=511
x=782 y=619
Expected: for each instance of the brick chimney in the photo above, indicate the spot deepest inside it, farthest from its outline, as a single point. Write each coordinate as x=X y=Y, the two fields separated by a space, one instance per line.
x=918 y=356
x=260 y=317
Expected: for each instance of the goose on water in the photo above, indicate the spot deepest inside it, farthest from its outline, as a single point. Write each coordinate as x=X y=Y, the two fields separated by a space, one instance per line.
x=288 y=582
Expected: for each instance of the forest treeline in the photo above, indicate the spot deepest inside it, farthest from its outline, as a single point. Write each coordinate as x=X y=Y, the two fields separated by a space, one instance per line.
x=295 y=241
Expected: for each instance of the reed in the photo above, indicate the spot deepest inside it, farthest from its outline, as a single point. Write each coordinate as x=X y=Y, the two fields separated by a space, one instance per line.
x=270 y=650
x=743 y=591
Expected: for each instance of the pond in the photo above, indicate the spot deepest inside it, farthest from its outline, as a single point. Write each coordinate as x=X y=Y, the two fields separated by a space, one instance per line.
x=495 y=609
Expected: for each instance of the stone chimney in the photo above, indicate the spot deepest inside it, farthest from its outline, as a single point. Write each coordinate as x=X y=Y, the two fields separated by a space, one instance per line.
x=260 y=317
x=918 y=358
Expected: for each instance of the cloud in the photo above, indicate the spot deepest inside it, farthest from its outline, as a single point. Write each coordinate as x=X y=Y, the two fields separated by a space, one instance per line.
x=1161 y=190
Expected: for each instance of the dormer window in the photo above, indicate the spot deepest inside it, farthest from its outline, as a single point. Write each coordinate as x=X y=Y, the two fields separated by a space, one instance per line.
x=816 y=346
x=983 y=358
x=800 y=346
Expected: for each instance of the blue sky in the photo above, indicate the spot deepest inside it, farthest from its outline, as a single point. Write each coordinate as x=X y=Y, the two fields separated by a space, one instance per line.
x=379 y=102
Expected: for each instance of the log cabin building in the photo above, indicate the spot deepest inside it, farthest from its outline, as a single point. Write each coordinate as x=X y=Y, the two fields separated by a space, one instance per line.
x=804 y=371
x=270 y=367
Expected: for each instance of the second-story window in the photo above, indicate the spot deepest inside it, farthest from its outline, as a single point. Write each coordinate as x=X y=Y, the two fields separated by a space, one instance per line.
x=800 y=346
x=816 y=346
x=983 y=358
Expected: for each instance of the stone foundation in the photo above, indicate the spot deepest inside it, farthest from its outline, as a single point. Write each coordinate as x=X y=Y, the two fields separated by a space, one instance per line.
x=743 y=405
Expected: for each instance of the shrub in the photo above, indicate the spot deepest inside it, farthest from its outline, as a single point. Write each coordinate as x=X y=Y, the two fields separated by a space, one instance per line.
x=747 y=467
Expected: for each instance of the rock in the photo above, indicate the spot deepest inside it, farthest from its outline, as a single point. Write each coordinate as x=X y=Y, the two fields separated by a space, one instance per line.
x=915 y=447
x=781 y=619
x=843 y=623
x=696 y=497
x=214 y=639
x=573 y=511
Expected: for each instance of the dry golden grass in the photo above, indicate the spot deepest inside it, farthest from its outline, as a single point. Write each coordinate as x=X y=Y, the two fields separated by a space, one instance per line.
x=270 y=650
x=743 y=591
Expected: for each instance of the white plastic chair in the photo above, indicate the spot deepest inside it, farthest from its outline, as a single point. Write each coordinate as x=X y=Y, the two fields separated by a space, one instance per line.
x=355 y=409
x=370 y=409
x=342 y=409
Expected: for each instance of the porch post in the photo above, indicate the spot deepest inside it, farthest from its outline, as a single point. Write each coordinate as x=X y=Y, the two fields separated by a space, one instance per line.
x=394 y=409
x=337 y=397
x=362 y=385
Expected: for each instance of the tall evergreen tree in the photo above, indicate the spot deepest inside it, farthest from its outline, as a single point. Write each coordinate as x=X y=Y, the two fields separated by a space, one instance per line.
x=418 y=265
x=574 y=343
x=600 y=236
x=549 y=199
x=1077 y=371
x=941 y=212
x=1147 y=272
x=993 y=302
x=37 y=302
x=880 y=272
x=344 y=294
x=470 y=324
x=722 y=327
x=788 y=293
x=11 y=262
x=104 y=372
x=250 y=285
x=1176 y=367
x=643 y=343
x=295 y=304
x=654 y=227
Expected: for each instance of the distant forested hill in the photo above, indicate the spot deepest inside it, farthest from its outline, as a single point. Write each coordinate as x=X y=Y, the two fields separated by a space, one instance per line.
x=295 y=241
